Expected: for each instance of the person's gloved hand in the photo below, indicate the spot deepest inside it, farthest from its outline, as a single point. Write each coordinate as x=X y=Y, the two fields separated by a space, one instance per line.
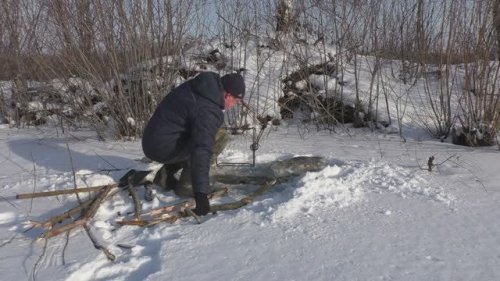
x=202 y=204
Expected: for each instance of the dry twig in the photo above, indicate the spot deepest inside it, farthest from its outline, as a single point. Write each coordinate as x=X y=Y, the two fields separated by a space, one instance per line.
x=35 y=266
x=66 y=242
x=34 y=181
x=73 y=172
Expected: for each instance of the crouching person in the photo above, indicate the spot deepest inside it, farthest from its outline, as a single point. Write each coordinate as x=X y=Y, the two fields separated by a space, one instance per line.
x=184 y=133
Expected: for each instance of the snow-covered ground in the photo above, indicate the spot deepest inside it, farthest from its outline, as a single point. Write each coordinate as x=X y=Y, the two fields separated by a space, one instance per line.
x=375 y=213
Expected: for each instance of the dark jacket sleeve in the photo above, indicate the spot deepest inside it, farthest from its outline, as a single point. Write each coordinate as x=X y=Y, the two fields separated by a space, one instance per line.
x=205 y=126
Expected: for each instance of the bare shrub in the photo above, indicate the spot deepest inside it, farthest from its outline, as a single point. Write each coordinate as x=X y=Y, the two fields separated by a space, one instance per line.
x=127 y=53
x=115 y=60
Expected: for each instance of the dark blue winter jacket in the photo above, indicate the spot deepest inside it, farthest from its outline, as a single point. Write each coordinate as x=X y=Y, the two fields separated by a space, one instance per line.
x=184 y=126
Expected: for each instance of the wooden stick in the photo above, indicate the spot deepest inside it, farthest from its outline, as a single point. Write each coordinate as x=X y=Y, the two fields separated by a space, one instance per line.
x=148 y=223
x=58 y=230
x=171 y=208
x=171 y=219
x=61 y=192
x=186 y=204
x=191 y=213
x=165 y=213
x=178 y=207
x=97 y=202
x=135 y=198
x=49 y=223
x=84 y=218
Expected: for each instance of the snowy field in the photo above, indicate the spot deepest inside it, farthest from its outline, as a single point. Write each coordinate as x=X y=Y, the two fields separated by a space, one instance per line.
x=375 y=213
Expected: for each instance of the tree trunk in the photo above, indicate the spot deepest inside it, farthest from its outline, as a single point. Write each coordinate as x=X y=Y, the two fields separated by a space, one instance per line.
x=496 y=23
x=283 y=16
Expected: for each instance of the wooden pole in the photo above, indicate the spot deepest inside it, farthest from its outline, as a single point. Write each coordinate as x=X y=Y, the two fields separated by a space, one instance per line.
x=63 y=191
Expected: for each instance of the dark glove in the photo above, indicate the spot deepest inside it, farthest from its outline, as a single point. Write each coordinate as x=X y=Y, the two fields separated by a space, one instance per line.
x=202 y=204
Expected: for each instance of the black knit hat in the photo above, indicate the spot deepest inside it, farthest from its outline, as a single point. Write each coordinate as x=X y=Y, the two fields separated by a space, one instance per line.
x=234 y=84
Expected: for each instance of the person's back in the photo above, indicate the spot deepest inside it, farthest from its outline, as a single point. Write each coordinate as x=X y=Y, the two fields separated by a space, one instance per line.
x=171 y=126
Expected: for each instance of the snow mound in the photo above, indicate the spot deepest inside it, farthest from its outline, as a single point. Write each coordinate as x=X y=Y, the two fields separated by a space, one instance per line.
x=319 y=190
x=337 y=187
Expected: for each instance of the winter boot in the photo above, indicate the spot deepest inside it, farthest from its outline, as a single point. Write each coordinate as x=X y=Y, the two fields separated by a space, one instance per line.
x=165 y=177
x=148 y=192
x=185 y=188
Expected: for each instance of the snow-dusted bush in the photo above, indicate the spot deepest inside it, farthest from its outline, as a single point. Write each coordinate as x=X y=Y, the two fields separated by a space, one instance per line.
x=365 y=62
x=478 y=115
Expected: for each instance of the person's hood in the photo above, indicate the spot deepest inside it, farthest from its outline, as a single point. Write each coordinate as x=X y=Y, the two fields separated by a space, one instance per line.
x=208 y=85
